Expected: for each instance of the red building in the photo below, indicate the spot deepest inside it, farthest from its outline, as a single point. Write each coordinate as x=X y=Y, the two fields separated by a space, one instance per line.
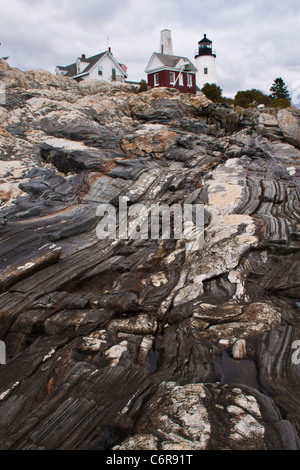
x=167 y=70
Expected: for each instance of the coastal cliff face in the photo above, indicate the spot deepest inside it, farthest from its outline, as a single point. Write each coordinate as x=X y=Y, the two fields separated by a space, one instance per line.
x=141 y=343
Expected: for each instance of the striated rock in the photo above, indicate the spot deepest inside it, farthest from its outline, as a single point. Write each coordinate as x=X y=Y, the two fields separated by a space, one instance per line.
x=68 y=161
x=278 y=353
x=33 y=254
x=146 y=342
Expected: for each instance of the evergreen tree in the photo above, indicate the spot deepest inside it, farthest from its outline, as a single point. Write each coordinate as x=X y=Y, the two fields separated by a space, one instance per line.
x=279 y=90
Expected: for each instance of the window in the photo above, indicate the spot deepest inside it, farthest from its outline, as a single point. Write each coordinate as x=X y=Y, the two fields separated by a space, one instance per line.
x=180 y=79
x=156 y=79
x=189 y=80
x=113 y=74
x=172 y=78
x=205 y=71
x=78 y=66
x=100 y=71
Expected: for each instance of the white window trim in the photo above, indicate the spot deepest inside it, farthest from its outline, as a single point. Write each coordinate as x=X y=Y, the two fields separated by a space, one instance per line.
x=172 y=81
x=189 y=80
x=180 y=80
x=156 y=75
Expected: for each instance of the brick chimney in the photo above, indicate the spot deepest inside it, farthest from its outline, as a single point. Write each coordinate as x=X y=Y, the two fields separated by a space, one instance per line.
x=166 y=46
x=82 y=56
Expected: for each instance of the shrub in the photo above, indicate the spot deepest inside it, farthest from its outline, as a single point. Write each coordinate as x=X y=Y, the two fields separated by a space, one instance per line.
x=212 y=92
x=143 y=86
x=281 y=103
x=253 y=97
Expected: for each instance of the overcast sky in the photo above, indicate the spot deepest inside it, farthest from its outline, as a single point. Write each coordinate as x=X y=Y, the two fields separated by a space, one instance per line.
x=256 y=40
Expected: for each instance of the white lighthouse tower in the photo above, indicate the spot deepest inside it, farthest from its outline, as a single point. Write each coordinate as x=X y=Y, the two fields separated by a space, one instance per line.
x=206 y=63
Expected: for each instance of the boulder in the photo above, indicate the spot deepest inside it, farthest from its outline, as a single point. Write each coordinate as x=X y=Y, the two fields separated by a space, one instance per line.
x=289 y=123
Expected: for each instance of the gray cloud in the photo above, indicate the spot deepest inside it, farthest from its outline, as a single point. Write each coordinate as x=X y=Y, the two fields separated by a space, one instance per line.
x=256 y=40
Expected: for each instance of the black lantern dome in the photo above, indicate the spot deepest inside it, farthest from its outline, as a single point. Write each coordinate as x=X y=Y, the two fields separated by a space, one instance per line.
x=205 y=47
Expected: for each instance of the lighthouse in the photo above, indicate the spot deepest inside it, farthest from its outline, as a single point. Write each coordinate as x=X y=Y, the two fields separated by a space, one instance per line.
x=206 y=63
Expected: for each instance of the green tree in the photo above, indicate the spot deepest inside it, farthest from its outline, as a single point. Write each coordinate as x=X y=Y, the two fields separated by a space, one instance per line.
x=212 y=92
x=279 y=90
x=251 y=98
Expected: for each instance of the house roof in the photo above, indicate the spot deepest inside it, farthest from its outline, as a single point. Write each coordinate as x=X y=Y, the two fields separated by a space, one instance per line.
x=72 y=71
x=171 y=61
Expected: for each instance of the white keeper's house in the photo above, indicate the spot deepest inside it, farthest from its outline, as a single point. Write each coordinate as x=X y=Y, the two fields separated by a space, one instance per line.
x=102 y=66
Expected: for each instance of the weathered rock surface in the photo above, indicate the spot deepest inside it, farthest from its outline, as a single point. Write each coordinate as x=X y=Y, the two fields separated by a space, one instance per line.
x=289 y=122
x=146 y=343
x=210 y=417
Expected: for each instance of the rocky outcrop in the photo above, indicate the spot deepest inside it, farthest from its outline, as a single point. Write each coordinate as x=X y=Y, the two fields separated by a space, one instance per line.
x=145 y=343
